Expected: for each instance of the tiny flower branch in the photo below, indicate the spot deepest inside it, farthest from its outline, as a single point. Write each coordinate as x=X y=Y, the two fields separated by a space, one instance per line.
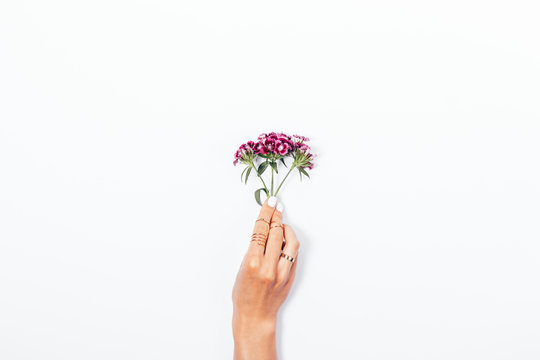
x=271 y=150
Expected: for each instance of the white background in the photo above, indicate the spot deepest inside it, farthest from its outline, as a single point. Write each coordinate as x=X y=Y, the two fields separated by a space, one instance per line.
x=123 y=220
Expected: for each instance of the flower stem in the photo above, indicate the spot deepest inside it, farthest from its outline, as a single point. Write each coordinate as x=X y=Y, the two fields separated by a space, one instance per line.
x=272 y=191
x=282 y=181
x=260 y=177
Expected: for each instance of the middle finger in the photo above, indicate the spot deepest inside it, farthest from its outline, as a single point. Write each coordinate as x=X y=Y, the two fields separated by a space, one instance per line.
x=275 y=237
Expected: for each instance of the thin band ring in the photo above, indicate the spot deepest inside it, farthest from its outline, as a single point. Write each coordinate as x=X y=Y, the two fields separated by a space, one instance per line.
x=262 y=219
x=290 y=258
x=259 y=238
x=275 y=225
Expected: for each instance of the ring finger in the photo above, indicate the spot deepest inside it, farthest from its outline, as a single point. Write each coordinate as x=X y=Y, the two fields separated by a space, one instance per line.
x=289 y=253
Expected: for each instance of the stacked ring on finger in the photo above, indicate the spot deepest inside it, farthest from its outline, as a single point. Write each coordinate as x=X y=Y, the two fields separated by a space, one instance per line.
x=260 y=238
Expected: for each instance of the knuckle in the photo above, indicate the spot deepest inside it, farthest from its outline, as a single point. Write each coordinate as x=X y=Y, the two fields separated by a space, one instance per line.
x=281 y=279
x=253 y=264
x=268 y=276
x=294 y=244
x=276 y=230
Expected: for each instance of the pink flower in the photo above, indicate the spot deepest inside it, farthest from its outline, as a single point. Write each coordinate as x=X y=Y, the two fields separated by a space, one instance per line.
x=301 y=138
x=303 y=147
x=244 y=153
x=282 y=147
x=260 y=148
x=275 y=143
x=269 y=152
x=282 y=135
x=270 y=144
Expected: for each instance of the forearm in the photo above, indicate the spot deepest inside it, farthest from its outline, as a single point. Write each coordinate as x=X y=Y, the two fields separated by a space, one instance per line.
x=254 y=339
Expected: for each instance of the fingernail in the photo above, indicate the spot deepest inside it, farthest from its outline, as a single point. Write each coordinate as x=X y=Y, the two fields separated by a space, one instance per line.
x=279 y=207
x=272 y=200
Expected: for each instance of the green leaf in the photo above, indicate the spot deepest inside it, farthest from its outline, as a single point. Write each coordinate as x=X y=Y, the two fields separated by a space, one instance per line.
x=262 y=167
x=300 y=174
x=242 y=175
x=303 y=171
x=247 y=174
x=258 y=195
x=274 y=166
x=283 y=162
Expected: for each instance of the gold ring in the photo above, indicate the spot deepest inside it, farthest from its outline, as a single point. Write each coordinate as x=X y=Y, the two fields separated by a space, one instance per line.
x=260 y=238
x=262 y=219
x=290 y=258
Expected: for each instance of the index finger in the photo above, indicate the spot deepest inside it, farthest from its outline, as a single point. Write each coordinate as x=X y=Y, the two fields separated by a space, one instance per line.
x=262 y=227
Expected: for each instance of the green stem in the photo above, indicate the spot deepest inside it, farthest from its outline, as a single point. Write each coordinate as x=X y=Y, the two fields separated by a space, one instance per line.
x=260 y=177
x=272 y=191
x=282 y=181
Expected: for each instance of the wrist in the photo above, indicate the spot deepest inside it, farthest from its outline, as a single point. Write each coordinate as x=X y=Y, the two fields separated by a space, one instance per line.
x=254 y=338
x=253 y=327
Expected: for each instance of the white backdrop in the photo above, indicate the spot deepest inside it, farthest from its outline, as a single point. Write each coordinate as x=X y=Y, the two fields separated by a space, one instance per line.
x=123 y=221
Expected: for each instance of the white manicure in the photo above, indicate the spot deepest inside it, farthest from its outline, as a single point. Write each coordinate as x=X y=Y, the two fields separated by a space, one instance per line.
x=279 y=207
x=272 y=200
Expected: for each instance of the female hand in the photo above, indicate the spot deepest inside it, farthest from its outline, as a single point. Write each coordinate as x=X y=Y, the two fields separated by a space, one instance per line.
x=263 y=282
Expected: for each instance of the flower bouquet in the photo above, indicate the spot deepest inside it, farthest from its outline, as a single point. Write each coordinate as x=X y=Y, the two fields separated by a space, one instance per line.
x=269 y=151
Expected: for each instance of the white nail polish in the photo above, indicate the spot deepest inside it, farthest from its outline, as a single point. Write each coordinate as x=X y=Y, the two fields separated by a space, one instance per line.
x=272 y=200
x=279 y=207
